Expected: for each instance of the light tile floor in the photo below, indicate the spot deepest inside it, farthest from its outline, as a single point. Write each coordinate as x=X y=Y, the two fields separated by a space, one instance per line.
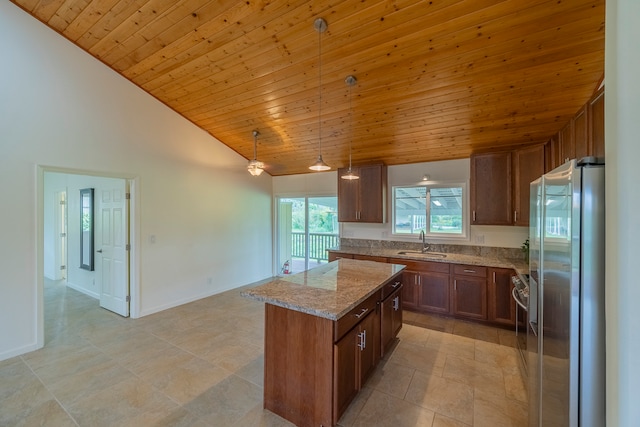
x=200 y=364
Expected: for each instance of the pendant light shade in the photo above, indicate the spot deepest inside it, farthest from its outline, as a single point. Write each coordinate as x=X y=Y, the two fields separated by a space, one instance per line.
x=321 y=26
x=350 y=81
x=255 y=167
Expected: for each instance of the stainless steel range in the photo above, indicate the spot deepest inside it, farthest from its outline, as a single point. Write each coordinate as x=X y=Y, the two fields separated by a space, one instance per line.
x=520 y=294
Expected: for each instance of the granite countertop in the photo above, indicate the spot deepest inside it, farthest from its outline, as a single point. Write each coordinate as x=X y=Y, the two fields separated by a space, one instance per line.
x=452 y=258
x=328 y=291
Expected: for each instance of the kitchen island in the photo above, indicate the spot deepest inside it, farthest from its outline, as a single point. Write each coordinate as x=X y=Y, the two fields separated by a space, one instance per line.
x=324 y=335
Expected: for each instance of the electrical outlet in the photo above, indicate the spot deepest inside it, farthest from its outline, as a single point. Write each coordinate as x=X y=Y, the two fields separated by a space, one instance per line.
x=480 y=238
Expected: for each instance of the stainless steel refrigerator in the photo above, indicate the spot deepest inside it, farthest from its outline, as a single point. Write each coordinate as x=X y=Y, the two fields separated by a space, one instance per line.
x=566 y=333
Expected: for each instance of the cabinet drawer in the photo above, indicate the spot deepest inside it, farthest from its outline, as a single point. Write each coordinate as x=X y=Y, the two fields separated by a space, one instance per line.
x=469 y=270
x=390 y=287
x=369 y=258
x=333 y=255
x=353 y=317
x=435 y=267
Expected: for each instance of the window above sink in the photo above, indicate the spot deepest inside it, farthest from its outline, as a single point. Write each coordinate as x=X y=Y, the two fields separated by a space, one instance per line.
x=438 y=209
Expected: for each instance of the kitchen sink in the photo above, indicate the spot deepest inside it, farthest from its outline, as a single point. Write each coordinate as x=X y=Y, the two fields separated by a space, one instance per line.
x=424 y=254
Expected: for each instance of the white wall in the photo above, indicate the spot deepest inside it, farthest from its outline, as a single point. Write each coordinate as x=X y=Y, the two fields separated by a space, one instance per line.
x=622 y=113
x=63 y=109
x=450 y=170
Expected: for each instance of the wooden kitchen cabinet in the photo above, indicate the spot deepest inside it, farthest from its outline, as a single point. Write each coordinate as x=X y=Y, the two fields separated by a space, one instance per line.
x=364 y=199
x=434 y=292
x=491 y=182
x=581 y=133
x=369 y=258
x=552 y=153
x=528 y=165
x=567 y=143
x=469 y=296
x=410 y=280
x=596 y=124
x=334 y=255
x=355 y=357
x=502 y=307
x=426 y=285
x=390 y=319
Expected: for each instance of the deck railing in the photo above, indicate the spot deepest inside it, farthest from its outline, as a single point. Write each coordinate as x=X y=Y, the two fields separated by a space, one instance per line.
x=318 y=245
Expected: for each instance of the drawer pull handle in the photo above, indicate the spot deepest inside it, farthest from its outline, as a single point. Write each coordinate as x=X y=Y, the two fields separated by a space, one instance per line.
x=362 y=337
x=364 y=310
x=469 y=271
x=395 y=285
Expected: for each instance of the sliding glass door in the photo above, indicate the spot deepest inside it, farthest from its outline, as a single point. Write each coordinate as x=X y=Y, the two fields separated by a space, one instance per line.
x=307 y=227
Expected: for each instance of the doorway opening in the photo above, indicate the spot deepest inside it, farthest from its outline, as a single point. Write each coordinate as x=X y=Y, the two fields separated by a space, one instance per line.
x=306 y=228
x=111 y=280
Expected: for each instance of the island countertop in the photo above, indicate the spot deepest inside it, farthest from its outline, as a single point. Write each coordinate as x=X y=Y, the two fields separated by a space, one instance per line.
x=328 y=291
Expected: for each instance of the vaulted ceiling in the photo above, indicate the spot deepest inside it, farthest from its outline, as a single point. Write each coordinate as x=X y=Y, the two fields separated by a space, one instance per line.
x=435 y=79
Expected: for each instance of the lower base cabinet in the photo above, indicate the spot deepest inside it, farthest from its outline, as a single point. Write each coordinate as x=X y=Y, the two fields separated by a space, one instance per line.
x=390 y=319
x=502 y=307
x=469 y=291
x=355 y=357
x=434 y=293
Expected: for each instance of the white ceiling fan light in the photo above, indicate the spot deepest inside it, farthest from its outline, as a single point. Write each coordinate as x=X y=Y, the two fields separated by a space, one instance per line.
x=255 y=167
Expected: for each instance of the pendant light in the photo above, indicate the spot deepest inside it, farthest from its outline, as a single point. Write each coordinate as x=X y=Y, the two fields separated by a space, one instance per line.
x=321 y=26
x=255 y=167
x=350 y=81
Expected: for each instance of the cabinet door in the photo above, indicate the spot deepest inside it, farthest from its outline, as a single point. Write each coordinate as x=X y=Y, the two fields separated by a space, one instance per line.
x=390 y=320
x=397 y=312
x=363 y=200
x=502 y=307
x=434 y=292
x=491 y=189
x=346 y=375
x=348 y=193
x=372 y=193
x=567 y=143
x=410 y=289
x=369 y=352
x=470 y=297
x=528 y=165
x=552 y=153
x=580 y=133
x=596 y=124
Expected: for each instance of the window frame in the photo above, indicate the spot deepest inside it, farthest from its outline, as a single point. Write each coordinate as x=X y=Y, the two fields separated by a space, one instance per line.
x=464 y=235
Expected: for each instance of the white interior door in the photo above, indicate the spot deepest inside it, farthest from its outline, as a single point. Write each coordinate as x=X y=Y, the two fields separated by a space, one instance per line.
x=112 y=248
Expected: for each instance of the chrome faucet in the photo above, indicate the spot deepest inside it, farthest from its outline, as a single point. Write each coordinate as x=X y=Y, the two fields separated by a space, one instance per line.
x=425 y=247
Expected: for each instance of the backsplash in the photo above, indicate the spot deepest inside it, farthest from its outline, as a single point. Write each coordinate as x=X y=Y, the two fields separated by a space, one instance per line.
x=482 y=251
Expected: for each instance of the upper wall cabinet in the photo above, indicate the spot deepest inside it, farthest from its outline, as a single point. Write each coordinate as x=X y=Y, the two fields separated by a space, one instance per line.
x=528 y=165
x=582 y=136
x=596 y=124
x=500 y=185
x=491 y=189
x=364 y=199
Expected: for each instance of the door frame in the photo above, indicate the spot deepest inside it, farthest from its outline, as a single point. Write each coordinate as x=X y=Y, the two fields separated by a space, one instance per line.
x=134 y=238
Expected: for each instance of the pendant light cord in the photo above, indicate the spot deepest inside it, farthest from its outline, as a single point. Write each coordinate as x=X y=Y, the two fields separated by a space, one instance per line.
x=320 y=91
x=350 y=126
x=255 y=145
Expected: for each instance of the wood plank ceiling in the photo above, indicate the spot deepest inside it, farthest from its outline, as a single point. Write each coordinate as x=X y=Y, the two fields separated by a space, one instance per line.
x=436 y=79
